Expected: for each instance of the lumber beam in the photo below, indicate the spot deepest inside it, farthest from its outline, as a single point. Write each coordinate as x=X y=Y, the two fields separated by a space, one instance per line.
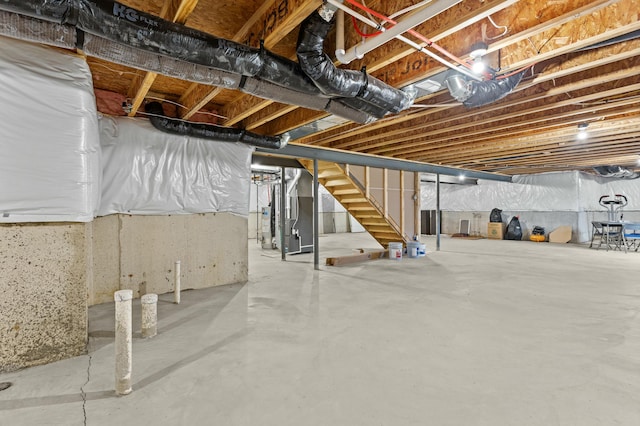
x=176 y=11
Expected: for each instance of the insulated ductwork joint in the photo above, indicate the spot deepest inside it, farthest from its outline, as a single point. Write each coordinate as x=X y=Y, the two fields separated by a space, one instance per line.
x=210 y=131
x=478 y=93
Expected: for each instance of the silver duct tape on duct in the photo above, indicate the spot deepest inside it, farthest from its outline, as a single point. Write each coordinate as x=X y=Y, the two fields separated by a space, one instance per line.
x=35 y=30
x=112 y=31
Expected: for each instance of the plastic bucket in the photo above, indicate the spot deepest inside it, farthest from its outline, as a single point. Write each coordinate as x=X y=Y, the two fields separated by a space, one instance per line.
x=413 y=249
x=395 y=251
x=422 y=250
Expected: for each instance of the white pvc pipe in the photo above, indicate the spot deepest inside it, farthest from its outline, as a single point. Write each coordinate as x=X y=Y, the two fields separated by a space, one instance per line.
x=123 y=341
x=340 y=33
x=149 y=315
x=403 y=39
x=176 y=291
x=359 y=50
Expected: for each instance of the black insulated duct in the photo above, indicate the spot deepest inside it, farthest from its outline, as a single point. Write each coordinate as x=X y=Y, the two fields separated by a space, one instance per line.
x=478 y=93
x=112 y=31
x=615 y=172
x=209 y=131
x=346 y=84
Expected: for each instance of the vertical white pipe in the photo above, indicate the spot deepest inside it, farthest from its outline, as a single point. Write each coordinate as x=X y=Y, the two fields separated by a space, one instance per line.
x=123 y=341
x=176 y=293
x=340 y=33
x=403 y=26
x=149 y=315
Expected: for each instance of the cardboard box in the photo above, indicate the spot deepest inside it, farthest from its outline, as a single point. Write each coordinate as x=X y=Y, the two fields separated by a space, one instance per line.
x=495 y=230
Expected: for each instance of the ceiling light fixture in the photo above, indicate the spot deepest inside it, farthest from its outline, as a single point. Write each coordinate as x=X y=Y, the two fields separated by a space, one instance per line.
x=478 y=50
x=582 y=131
x=478 y=66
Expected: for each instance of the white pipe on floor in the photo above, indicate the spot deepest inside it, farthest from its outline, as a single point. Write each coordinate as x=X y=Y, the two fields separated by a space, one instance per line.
x=176 y=291
x=149 y=315
x=428 y=12
x=123 y=344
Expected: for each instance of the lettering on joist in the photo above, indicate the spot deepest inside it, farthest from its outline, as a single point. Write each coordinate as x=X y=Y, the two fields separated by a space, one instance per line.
x=274 y=17
x=398 y=73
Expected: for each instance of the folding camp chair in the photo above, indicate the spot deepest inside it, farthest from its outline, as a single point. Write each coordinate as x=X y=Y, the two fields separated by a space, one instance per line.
x=631 y=235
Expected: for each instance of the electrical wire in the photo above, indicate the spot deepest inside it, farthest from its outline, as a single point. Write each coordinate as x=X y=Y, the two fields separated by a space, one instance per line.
x=412 y=32
x=369 y=14
x=402 y=38
x=119 y=72
x=503 y=76
x=506 y=30
x=182 y=106
x=360 y=32
x=149 y=114
x=409 y=9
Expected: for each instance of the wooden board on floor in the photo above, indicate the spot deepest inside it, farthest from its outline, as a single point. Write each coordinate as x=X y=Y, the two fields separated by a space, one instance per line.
x=354 y=258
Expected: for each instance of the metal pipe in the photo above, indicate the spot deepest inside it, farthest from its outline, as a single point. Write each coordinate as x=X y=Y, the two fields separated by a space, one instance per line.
x=258 y=213
x=438 y=212
x=149 y=309
x=123 y=346
x=316 y=209
x=283 y=194
x=428 y=12
x=176 y=290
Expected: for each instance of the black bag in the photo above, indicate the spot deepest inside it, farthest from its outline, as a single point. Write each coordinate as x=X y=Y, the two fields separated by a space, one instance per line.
x=495 y=215
x=514 y=231
x=537 y=230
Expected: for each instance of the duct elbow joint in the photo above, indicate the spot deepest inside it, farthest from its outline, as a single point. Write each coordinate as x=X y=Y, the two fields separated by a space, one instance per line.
x=284 y=140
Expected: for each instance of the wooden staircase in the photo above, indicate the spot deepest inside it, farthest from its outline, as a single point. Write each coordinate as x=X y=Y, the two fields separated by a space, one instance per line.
x=353 y=196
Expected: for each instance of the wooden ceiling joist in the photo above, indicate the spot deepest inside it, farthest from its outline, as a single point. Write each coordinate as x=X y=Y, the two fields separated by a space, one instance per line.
x=176 y=11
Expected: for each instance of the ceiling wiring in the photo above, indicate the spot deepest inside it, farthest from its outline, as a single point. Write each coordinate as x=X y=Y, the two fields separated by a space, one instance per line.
x=182 y=106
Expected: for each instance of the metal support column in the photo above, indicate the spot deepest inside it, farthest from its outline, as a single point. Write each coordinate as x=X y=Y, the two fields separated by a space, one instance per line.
x=437 y=211
x=316 y=203
x=258 y=212
x=283 y=194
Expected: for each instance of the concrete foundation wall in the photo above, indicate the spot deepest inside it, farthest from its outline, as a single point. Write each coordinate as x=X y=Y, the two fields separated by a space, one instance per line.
x=44 y=275
x=139 y=253
x=50 y=273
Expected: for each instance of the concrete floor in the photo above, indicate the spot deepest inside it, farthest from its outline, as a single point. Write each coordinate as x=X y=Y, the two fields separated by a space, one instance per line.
x=483 y=332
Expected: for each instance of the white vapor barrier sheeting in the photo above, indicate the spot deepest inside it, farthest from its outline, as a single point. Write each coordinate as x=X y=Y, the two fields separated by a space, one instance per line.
x=593 y=187
x=146 y=171
x=49 y=167
x=544 y=192
x=562 y=191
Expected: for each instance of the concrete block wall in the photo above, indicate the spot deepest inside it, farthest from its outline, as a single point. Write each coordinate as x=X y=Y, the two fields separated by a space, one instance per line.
x=139 y=253
x=50 y=273
x=44 y=273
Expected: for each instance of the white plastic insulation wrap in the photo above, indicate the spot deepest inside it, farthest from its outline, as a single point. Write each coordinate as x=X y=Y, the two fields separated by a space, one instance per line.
x=593 y=187
x=146 y=171
x=543 y=192
x=561 y=191
x=49 y=167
